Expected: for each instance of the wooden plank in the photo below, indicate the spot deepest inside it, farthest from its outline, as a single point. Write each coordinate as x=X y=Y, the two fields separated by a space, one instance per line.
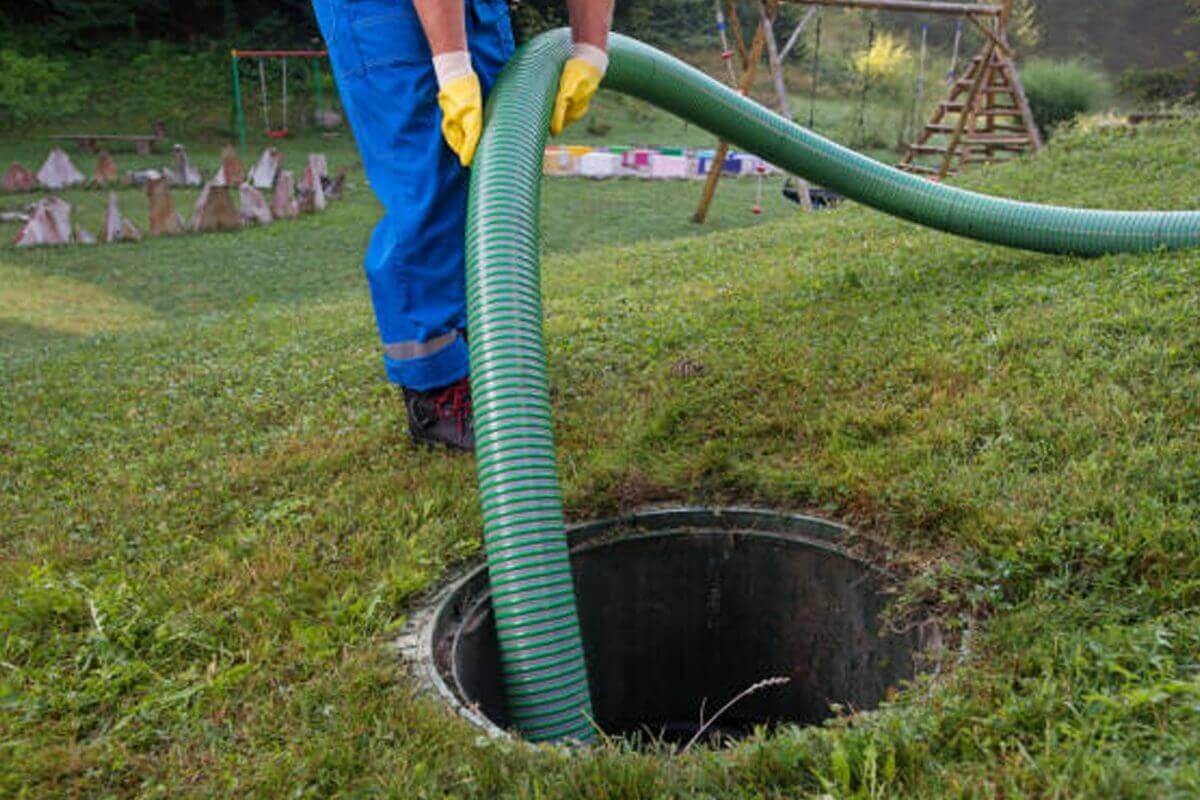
x=1009 y=71
x=714 y=175
x=995 y=139
x=735 y=30
x=997 y=38
x=916 y=6
x=994 y=89
x=785 y=106
x=923 y=169
x=1001 y=111
x=773 y=61
x=984 y=68
x=795 y=37
x=939 y=114
x=108 y=137
x=939 y=128
x=1141 y=117
x=722 y=149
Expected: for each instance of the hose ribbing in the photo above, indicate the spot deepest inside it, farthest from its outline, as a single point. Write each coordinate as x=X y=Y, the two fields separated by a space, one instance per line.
x=533 y=596
x=524 y=532
x=668 y=83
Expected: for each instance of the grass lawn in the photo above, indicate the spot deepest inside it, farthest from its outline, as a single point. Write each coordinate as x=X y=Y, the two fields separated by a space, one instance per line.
x=50 y=294
x=213 y=524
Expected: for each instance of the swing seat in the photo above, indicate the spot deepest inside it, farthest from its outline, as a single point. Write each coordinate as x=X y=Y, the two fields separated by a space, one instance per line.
x=282 y=133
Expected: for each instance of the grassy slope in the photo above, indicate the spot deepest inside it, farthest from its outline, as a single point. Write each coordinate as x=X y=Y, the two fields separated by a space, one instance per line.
x=48 y=294
x=213 y=523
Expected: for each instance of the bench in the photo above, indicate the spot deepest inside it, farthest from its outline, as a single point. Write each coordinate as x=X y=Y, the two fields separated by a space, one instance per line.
x=87 y=142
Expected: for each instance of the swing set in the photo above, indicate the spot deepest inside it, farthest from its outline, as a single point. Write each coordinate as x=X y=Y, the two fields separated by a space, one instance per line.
x=985 y=115
x=270 y=128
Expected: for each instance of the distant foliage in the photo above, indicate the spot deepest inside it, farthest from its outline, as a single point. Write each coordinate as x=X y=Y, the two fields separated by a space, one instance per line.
x=1024 y=23
x=1059 y=91
x=35 y=89
x=1160 y=86
x=168 y=83
x=84 y=25
x=886 y=58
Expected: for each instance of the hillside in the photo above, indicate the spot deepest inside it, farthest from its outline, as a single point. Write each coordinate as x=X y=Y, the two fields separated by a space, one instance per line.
x=214 y=524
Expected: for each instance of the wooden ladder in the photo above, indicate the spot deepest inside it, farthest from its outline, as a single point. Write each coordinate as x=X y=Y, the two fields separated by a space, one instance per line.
x=985 y=119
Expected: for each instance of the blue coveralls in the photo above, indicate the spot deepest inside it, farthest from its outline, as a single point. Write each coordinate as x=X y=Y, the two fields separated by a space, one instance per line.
x=415 y=262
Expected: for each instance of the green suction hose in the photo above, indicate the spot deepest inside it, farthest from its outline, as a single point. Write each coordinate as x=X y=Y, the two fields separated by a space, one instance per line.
x=532 y=590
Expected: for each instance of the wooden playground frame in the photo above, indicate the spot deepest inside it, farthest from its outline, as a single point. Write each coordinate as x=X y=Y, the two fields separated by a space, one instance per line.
x=1006 y=127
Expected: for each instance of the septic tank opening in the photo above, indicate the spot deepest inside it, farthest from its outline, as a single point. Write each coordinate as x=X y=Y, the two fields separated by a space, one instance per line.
x=681 y=610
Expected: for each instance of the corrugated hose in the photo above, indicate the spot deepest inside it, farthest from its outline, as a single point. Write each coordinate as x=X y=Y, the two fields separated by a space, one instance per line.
x=533 y=593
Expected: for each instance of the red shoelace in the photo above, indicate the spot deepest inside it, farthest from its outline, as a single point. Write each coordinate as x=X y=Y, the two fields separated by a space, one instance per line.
x=455 y=403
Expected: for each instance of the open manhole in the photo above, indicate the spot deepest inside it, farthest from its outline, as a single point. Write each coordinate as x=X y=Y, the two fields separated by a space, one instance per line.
x=682 y=610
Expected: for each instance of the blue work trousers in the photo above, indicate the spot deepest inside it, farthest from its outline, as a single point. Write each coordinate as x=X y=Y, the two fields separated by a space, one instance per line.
x=415 y=262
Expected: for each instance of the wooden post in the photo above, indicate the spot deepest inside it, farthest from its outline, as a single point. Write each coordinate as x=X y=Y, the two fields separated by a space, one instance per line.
x=918 y=94
x=968 y=110
x=785 y=105
x=753 y=57
x=799 y=29
x=735 y=30
x=1009 y=71
x=726 y=53
x=997 y=38
x=921 y=6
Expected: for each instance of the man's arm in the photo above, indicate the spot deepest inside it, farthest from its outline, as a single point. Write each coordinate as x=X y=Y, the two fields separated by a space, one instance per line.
x=590 y=21
x=581 y=75
x=459 y=95
x=445 y=25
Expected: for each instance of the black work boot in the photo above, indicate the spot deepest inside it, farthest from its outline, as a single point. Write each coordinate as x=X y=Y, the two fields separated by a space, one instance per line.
x=442 y=416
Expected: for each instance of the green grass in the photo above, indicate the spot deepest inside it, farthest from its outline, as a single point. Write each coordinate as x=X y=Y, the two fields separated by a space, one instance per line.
x=214 y=525
x=48 y=294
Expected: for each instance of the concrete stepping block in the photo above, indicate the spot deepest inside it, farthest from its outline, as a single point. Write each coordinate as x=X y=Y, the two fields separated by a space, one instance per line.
x=182 y=173
x=18 y=178
x=164 y=219
x=49 y=224
x=232 y=172
x=312 y=191
x=283 y=203
x=254 y=207
x=59 y=172
x=106 y=170
x=116 y=227
x=334 y=186
x=214 y=210
x=263 y=175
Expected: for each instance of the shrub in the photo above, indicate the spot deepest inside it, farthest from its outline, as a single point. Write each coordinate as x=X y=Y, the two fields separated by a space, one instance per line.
x=1156 y=86
x=35 y=89
x=1059 y=91
x=886 y=58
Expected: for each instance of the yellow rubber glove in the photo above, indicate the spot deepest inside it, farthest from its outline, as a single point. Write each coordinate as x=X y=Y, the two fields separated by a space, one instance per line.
x=461 y=101
x=580 y=79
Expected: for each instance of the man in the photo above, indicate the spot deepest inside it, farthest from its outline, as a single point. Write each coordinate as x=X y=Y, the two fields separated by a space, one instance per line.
x=413 y=75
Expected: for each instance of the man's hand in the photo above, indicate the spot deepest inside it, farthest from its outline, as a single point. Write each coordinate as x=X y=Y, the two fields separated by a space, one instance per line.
x=461 y=101
x=580 y=79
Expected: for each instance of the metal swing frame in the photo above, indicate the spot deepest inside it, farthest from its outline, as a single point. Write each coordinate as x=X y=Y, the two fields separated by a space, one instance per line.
x=238 y=111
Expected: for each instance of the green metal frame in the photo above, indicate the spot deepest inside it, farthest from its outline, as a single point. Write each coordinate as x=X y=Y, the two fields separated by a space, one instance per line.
x=237 y=115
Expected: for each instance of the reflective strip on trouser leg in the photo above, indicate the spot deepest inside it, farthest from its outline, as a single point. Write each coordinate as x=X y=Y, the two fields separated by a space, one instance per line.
x=403 y=351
